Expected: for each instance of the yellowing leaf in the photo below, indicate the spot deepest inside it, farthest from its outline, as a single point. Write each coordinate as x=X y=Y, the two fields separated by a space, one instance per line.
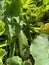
x=40 y=23
x=45 y=28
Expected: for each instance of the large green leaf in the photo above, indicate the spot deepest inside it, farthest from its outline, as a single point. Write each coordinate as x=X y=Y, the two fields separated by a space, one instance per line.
x=16 y=60
x=39 y=49
x=13 y=7
x=23 y=45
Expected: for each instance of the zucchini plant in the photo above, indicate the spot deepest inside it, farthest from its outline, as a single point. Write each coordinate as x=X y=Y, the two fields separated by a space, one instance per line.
x=24 y=32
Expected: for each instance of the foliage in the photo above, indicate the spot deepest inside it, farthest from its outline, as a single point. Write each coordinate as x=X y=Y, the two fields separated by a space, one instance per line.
x=2 y=28
x=40 y=48
x=21 y=22
x=2 y=54
x=14 y=61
